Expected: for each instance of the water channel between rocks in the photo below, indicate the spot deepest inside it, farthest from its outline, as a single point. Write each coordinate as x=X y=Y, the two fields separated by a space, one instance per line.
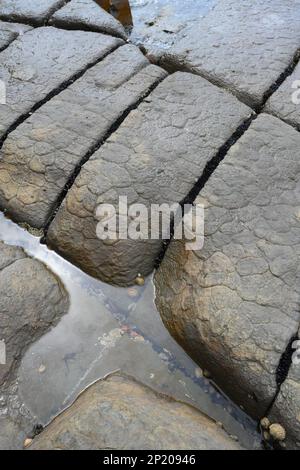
x=107 y=329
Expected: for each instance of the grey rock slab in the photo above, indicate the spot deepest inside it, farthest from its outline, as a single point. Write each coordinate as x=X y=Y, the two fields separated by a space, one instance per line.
x=155 y=157
x=285 y=102
x=157 y=25
x=40 y=156
x=234 y=305
x=242 y=46
x=286 y=408
x=33 y=11
x=41 y=61
x=120 y=413
x=32 y=300
x=86 y=14
x=10 y=31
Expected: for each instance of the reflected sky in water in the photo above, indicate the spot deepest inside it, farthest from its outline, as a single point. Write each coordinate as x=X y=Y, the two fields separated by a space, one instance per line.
x=107 y=329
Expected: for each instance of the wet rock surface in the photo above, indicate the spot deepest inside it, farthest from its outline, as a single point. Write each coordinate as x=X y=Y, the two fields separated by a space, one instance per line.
x=33 y=11
x=80 y=129
x=120 y=413
x=245 y=46
x=234 y=305
x=86 y=14
x=39 y=157
x=154 y=157
x=43 y=60
x=285 y=102
x=32 y=300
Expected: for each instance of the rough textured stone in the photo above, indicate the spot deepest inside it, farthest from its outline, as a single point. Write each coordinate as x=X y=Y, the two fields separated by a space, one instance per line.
x=120 y=413
x=86 y=14
x=41 y=61
x=243 y=46
x=234 y=305
x=33 y=11
x=31 y=301
x=158 y=25
x=285 y=102
x=156 y=156
x=9 y=32
x=286 y=409
x=40 y=155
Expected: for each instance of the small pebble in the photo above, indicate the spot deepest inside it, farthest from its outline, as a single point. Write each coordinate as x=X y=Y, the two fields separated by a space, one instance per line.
x=42 y=368
x=198 y=373
x=140 y=281
x=265 y=423
x=27 y=442
x=207 y=374
x=277 y=432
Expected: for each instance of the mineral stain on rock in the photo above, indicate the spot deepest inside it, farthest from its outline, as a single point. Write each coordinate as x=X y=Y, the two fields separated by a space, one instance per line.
x=120 y=9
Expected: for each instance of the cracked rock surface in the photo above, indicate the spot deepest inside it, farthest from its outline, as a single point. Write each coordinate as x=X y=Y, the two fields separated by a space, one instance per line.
x=41 y=154
x=285 y=102
x=41 y=61
x=88 y=15
x=245 y=46
x=120 y=413
x=34 y=11
x=234 y=305
x=32 y=300
x=154 y=157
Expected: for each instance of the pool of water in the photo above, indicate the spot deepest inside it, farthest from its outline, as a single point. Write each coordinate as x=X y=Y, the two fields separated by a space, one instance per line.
x=107 y=329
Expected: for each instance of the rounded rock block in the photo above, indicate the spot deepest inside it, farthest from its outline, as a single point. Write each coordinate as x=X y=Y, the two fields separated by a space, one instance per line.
x=234 y=305
x=122 y=414
x=32 y=300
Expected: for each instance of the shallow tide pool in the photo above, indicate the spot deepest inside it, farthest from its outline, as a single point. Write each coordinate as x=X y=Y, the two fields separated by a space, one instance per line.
x=107 y=329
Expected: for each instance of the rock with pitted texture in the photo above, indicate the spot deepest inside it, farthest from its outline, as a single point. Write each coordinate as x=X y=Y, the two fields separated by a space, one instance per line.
x=86 y=14
x=32 y=300
x=36 y=12
x=39 y=157
x=40 y=62
x=234 y=305
x=122 y=414
x=242 y=46
x=155 y=157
